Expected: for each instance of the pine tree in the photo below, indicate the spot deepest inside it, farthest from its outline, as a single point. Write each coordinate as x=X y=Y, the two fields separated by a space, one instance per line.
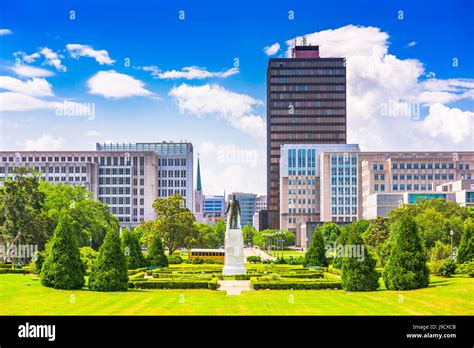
x=156 y=255
x=109 y=272
x=132 y=249
x=63 y=268
x=316 y=253
x=358 y=271
x=466 y=246
x=406 y=266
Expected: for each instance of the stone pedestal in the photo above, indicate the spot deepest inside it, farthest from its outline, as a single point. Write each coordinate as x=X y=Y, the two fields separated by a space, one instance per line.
x=234 y=253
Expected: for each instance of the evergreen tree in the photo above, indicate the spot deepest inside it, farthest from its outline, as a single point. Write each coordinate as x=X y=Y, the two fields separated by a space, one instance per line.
x=406 y=266
x=358 y=271
x=63 y=268
x=132 y=249
x=316 y=253
x=156 y=255
x=109 y=272
x=466 y=247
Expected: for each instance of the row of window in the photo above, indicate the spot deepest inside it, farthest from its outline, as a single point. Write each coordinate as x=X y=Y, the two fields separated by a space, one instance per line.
x=318 y=72
x=343 y=191
x=344 y=210
x=300 y=211
x=172 y=162
x=301 y=201
x=114 y=190
x=311 y=96
x=344 y=200
x=116 y=180
x=308 y=88
x=305 y=181
x=292 y=191
x=170 y=192
x=114 y=171
x=307 y=104
x=307 y=112
x=416 y=187
x=171 y=183
x=171 y=173
x=307 y=63
x=430 y=165
x=344 y=180
x=423 y=176
x=308 y=80
x=115 y=200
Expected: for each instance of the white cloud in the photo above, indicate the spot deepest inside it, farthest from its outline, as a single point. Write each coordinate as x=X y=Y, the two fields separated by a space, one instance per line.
x=376 y=78
x=44 y=143
x=112 y=84
x=412 y=43
x=27 y=58
x=449 y=124
x=235 y=108
x=11 y=101
x=78 y=50
x=271 y=50
x=52 y=58
x=30 y=71
x=189 y=73
x=5 y=32
x=36 y=87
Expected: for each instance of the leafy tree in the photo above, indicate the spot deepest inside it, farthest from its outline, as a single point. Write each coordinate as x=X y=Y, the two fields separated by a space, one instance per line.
x=359 y=274
x=219 y=230
x=132 y=249
x=248 y=232
x=63 y=269
x=88 y=257
x=93 y=218
x=447 y=268
x=174 y=223
x=21 y=213
x=316 y=253
x=377 y=239
x=330 y=232
x=440 y=251
x=406 y=267
x=269 y=237
x=206 y=237
x=156 y=255
x=109 y=272
x=466 y=247
x=360 y=226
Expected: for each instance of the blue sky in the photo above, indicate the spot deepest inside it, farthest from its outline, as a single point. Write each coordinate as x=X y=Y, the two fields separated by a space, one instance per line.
x=225 y=113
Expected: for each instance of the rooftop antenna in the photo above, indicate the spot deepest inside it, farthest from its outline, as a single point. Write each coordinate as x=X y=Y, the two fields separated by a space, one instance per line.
x=304 y=41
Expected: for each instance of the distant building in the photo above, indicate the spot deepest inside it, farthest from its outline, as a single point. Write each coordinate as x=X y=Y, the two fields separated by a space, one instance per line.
x=247 y=206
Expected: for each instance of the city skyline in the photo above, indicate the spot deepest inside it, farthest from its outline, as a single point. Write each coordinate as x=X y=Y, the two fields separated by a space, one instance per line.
x=142 y=91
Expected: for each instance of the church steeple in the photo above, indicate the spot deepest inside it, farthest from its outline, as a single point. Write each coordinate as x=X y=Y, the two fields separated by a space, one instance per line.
x=198 y=183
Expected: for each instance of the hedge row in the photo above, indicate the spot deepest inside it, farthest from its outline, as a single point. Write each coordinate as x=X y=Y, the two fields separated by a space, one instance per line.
x=135 y=271
x=175 y=284
x=294 y=285
x=13 y=270
x=196 y=276
x=136 y=277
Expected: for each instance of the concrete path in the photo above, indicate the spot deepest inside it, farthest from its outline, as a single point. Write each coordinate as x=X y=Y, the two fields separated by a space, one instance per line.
x=252 y=251
x=234 y=287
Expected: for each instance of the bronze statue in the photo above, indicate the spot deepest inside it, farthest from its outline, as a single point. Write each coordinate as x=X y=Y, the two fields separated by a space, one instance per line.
x=234 y=217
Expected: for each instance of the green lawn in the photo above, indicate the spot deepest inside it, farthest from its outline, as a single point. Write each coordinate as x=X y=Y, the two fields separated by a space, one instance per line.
x=21 y=295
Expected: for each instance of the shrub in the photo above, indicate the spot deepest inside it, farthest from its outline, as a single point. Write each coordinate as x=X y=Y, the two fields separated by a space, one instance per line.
x=14 y=270
x=174 y=260
x=359 y=275
x=406 y=267
x=260 y=284
x=110 y=269
x=298 y=260
x=132 y=249
x=88 y=257
x=197 y=261
x=63 y=268
x=447 y=268
x=156 y=255
x=213 y=284
x=137 y=276
x=466 y=268
x=135 y=271
x=440 y=251
x=267 y=262
x=254 y=259
x=171 y=284
x=316 y=253
x=466 y=246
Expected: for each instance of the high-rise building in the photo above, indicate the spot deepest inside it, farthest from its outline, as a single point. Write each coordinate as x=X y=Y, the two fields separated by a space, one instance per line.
x=260 y=204
x=175 y=166
x=306 y=104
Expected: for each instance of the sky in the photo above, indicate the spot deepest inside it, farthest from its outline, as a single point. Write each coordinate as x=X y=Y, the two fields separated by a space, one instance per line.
x=73 y=73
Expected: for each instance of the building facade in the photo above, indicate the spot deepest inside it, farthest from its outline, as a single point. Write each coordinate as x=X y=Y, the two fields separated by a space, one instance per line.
x=125 y=181
x=175 y=166
x=306 y=104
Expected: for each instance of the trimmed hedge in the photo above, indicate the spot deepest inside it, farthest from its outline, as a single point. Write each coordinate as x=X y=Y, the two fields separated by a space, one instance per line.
x=213 y=284
x=136 y=277
x=171 y=284
x=13 y=270
x=294 y=284
x=135 y=271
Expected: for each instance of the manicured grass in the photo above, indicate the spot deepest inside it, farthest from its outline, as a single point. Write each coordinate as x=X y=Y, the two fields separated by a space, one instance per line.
x=22 y=295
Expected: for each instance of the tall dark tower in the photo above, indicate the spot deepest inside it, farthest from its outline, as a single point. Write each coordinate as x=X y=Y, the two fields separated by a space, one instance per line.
x=306 y=104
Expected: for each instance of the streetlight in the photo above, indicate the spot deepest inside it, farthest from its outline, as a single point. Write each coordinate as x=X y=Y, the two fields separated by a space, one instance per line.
x=452 y=250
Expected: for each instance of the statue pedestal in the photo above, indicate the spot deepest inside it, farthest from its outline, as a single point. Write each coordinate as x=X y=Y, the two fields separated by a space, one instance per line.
x=234 y=253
